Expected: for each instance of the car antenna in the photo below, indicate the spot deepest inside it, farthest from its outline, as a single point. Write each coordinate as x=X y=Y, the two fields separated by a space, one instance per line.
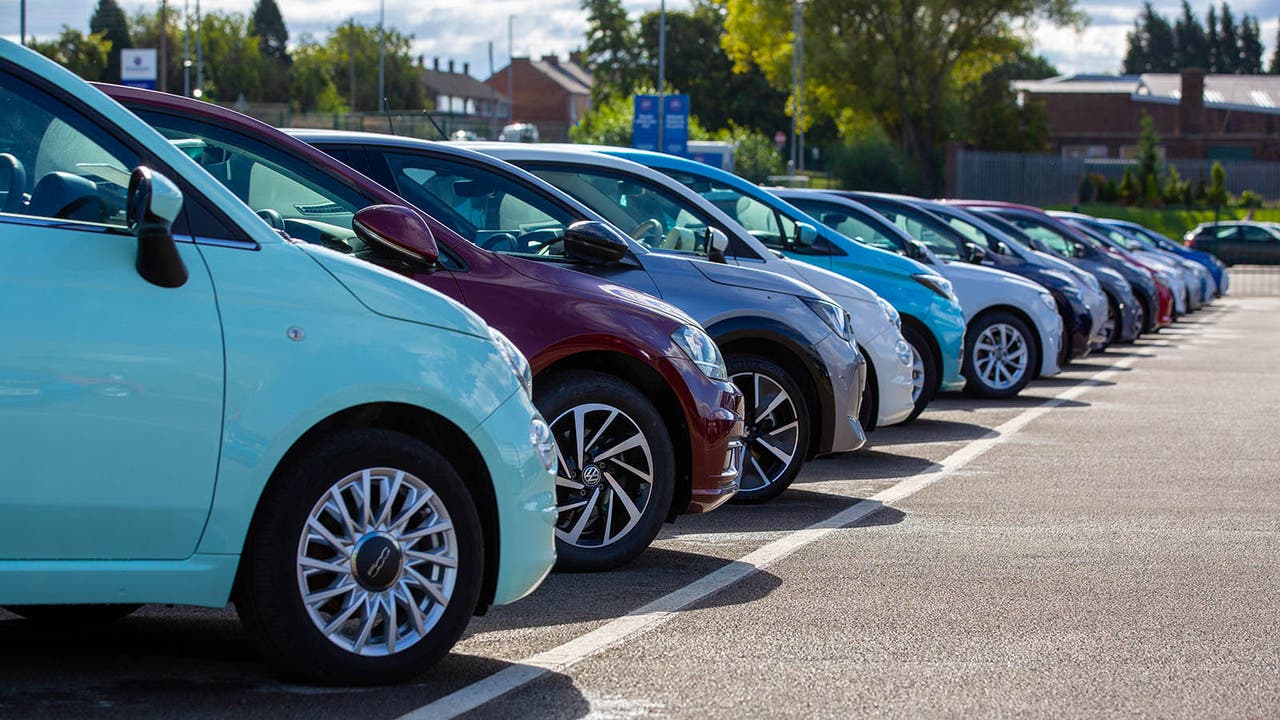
x=438 y=128
x=386 y=110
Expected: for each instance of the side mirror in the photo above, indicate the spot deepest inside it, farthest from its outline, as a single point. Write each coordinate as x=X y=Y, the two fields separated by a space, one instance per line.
x=717 y=244
x=151 y=206
x=1002 y=248
x=916 y=251
x=1079 y=251
x=399 y=228
x=974 y=253
x=594 y=243
x=806 y=234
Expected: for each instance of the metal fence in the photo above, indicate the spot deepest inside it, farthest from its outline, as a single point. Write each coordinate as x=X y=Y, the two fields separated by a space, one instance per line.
x=1054 y=180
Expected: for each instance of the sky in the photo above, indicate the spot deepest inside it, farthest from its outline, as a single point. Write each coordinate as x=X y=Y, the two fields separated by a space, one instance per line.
x=462 y=30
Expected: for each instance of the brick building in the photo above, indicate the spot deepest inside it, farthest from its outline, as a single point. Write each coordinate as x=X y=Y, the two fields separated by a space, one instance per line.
x=472 y=104
x=1228 y=117
x=551 y=93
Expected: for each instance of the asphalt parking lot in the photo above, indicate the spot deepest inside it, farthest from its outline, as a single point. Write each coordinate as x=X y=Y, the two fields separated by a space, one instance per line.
x=1106 y=544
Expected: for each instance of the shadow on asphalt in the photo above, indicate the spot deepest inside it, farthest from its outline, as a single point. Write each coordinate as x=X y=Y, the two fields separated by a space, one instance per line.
x=1064 y=382
x=556 y=698
x=925 y=429
x=960 y=403
x=863 y=465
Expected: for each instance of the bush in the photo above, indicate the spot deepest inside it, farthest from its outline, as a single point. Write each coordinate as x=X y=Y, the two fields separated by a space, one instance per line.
x=1130 y=188
x=1085 y=192
x=1176 y=190
x=1250 y=199
x=873 y=163
x=1150 y=195
x=1109 y=192
x=755 y=157
x=1216 y=195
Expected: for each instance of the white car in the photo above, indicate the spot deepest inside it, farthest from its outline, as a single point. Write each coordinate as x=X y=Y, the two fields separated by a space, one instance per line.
x=601 y=183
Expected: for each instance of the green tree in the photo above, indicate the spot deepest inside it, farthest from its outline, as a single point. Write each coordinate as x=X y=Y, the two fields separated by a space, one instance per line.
x=1216 y=194
x=613 y=53
x=354 y=50
x=1250 y=46
x=110 y=20
x=84 y=55
x=1192 y=44
x=1275 y=54
x=755 y=156
x=995 y=119
x=232 y=64
x=900 y=62
x=1228 y=42
x=1215 y=41
x=311 y=85
x=698 y=64
x=273 y=45
x=1151 y=44
x=1148 y=154
x=144 y=28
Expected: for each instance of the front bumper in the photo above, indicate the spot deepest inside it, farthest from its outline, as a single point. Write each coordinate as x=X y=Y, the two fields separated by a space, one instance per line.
x=846 y=371
x=1049 y=327
x=524 y=492
x=714 y=412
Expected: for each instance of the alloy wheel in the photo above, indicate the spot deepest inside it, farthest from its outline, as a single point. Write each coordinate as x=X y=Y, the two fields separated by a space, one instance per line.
x=377 y=561
x=1000 y=356
x=772 y=430
x=604 y=474
x=917 y=374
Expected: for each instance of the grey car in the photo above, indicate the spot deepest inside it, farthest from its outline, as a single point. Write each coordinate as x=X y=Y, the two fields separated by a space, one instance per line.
x=789 y=347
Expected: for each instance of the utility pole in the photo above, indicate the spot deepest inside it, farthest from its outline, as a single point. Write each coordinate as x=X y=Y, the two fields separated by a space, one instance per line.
x=662 y=73
x=351 y=57
x=186 y=49
x=22 y=22
x=164 y=45
x=199 y=91
x=511 y=68
x=382 y=53
x=797 y=71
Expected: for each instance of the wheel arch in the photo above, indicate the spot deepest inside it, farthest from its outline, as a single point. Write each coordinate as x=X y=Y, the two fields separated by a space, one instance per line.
x=918 y=325
x=1037 y=341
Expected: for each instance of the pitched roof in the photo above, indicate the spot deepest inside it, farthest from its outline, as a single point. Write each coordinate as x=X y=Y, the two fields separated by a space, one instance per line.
x=1251 y=93
x=461 y=85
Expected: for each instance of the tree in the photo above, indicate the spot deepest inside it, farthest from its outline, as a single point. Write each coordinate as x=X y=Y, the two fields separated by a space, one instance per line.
x=84 y=55
x=613 y=53
x=353 y=48
x=1275 y=55
x=1216 y=194
x=1215 y=41
x=311 y=85
x=1228 y=42
x=1148 y=155
x=1151 y=44
x=1189 y=36
x=232 y=64
x=698 y=64
x=273 y=45
x=110 y=20
x=144 y=29
x=1250 y=46
x=995 y=117
x=900 y=62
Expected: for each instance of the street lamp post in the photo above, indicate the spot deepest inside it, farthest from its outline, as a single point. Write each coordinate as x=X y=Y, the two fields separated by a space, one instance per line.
x=382 y=54
x=511 y=68
x=662 y=73
x=186 y=49
x=22 y=22
x=199 y=89
x=797 y=87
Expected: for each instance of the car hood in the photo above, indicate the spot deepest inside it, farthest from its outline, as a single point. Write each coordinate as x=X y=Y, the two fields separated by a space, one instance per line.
x=574 y=282
x=393 y=295
x=755 y=279
x=969 y=273
x=832 y=283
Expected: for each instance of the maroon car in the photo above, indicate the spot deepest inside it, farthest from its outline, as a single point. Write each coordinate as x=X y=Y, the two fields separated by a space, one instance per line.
x=646 y=422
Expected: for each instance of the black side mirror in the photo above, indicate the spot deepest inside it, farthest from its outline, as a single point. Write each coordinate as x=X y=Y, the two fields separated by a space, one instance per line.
x=399 y=228
x=1002 y=248
x=594 y=243
x=151 y=207
x=717 y=243
x=1079 y=251
x=915 y=251
x=974 y=252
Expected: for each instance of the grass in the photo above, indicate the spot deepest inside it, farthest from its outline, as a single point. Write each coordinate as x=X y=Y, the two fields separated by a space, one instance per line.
x=1174 y=222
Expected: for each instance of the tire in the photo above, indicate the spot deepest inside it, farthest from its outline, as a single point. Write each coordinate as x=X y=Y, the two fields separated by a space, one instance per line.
x=924 y=372
x=598 y=487
x=1113 y=319
x=869 y=410
x=1000 y=355
x=769 y=466
x=72 y=614
x=288 y=555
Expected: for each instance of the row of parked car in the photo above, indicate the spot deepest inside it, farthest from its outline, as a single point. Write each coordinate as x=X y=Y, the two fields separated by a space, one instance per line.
x=367 y=386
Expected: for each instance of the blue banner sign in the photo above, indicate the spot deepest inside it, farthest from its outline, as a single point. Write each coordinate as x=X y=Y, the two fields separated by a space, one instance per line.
x=675 y=123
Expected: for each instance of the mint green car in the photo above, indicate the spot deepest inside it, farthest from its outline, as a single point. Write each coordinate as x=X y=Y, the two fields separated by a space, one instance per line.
x=195 y=410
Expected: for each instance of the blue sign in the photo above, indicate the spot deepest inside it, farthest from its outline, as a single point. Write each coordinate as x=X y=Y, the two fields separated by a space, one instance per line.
x=675 y=124
x=144 y=84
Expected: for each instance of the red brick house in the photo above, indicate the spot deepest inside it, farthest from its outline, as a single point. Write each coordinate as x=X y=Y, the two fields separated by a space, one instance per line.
x=551 y=93
x=1234 y=117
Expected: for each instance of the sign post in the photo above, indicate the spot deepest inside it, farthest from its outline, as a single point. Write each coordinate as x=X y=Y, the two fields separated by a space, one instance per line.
x=139 y=68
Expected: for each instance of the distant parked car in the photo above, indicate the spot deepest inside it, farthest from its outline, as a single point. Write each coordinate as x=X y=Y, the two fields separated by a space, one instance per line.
x=1238 y=242
x=519 y=132
x=206 y=411
x=464 y=136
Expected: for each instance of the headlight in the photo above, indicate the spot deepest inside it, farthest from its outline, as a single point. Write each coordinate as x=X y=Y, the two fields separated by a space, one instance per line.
x=702 y=350
x=515 y=358
x=1047 y=299
x=936 y=283
x=890 y=312
x=1069 y=285
x=903 y=351
x=834 y=316
x=543 y=442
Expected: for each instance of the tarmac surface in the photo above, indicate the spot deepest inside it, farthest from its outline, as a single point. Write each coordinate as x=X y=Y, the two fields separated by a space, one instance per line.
x=1108 y=543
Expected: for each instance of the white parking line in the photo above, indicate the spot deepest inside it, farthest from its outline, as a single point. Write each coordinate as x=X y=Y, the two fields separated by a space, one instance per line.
x=647 y=618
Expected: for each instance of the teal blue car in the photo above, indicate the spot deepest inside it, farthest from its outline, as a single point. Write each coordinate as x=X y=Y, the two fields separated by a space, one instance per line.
x=932 y=321
x=196 y=410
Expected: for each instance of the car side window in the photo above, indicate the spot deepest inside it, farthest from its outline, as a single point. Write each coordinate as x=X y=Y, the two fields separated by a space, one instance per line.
x=935 y=238
x=57 y=164
x=1053 y=240
x=851 y=224
x=1256 y=234
x=487 y=208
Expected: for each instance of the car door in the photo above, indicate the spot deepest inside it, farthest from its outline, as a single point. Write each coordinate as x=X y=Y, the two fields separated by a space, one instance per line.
x=1258 y=246
x=110 y=387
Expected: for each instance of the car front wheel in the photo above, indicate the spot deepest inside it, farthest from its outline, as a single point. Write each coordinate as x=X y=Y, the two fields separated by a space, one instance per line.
x=1000 y=359
x=364 y=562
x=777 y=427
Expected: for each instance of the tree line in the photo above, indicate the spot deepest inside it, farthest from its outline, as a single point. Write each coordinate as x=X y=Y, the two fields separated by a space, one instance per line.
x=247 y=57
x=1219 y=45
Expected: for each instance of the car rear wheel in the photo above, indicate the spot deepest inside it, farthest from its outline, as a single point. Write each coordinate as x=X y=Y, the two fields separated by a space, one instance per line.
x=1111 y=327
x=1000 y=359
x=615 y=468
x=924 y=370
x=364 y=562
x=777 y=427
x=72 y=614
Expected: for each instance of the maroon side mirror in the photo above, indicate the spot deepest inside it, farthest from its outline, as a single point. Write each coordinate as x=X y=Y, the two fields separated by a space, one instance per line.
x=398 y=228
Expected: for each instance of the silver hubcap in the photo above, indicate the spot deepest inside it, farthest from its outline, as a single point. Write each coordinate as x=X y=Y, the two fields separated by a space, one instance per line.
x=604 y=475
x=1000 y=356
x=772 y=430
x=377 y=561
x=917 y=374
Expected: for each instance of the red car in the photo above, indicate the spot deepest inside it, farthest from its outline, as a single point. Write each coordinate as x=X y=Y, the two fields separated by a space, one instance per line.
x=647 y=424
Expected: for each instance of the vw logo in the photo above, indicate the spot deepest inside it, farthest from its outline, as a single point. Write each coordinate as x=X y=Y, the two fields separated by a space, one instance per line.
x=591 y=476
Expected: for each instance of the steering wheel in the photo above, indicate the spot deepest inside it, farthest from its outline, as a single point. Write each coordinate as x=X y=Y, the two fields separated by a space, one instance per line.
x=649 y=232
x=15 y=198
